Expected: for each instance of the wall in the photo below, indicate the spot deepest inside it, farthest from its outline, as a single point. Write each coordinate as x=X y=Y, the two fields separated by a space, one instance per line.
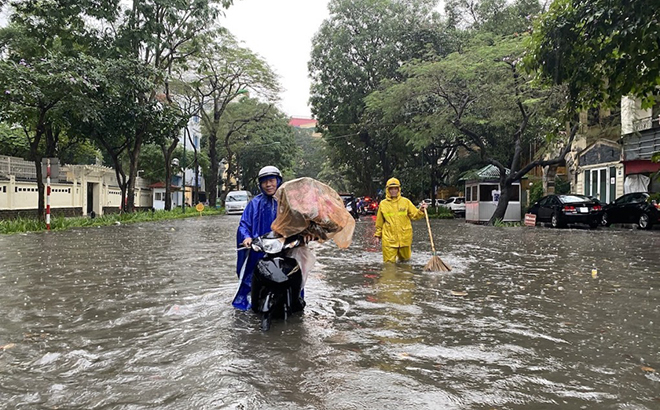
x=631 y=114
x=71 y=197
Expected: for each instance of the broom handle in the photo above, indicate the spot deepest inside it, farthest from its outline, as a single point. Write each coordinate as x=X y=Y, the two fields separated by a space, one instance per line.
x=428 y=225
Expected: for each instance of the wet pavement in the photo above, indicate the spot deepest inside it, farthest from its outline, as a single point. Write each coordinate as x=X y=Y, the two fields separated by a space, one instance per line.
x=139 y=317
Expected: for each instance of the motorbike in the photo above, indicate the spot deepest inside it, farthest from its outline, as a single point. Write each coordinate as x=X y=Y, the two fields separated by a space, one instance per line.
x=352 y=209
x=277 y=280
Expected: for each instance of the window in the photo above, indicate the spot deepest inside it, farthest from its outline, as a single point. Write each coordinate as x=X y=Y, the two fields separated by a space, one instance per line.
x=237 y=197
x=159 y=196
x=486 y=192
x=587 y=182
x=468 y=194
x=475 y=193
x=515 y=193
x=638 y=198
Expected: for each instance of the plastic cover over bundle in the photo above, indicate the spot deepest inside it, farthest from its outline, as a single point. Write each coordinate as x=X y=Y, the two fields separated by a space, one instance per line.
x=307 y=206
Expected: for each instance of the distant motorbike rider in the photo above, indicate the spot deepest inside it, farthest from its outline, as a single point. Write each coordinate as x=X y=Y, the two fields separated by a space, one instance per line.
x=256 y=220
x=354 y=209
x=393 y=227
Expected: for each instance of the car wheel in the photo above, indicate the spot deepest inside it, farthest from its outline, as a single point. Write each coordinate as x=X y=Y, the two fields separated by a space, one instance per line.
x=605 y=220
x=555 y=222
x=644 y=222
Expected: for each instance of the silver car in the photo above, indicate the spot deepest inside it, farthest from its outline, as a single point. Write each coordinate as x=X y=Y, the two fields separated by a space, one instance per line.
x=236 y=201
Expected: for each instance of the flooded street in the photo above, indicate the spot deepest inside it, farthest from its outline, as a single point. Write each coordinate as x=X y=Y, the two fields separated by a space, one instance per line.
x=139 y=317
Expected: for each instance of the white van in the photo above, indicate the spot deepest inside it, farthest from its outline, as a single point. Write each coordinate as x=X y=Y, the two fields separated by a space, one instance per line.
x=236 y=201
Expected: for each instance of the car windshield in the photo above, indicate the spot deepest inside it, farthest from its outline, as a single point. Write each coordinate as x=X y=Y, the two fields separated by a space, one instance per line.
x=571 y=199
x=237 y=197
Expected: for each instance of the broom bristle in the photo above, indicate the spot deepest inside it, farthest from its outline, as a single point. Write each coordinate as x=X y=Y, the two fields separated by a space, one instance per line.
x=437 y=265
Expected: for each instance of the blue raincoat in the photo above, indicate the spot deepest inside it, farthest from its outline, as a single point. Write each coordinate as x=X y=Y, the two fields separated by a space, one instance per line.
x=259 y=214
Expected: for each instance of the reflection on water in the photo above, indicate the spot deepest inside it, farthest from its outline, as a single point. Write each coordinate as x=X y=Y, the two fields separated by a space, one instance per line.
x=139 y=317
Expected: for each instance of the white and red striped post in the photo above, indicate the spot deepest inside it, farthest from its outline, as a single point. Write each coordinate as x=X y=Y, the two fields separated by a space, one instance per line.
x=48 y=194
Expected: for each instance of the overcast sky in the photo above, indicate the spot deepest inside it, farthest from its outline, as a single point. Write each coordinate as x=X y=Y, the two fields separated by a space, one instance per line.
x=281 y=31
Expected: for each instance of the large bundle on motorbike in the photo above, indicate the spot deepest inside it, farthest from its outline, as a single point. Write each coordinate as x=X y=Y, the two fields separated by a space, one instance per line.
x=307 y=206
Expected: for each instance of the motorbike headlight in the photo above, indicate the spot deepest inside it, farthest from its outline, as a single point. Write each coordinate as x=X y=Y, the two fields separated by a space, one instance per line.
x=273 y=245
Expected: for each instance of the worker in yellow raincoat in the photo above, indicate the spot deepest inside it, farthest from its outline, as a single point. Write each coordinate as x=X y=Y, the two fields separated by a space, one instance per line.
x=393 y=226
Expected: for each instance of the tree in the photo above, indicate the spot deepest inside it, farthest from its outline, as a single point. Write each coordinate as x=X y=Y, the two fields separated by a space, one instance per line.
x=361 y=44
x=313 y=154
x=33 y=91
x=493 y=16
x=269 y=141
x=483 y=95
x=224 y=73
x=600 y=49
x=43 y=69
x=112 y=110
x=163 y=35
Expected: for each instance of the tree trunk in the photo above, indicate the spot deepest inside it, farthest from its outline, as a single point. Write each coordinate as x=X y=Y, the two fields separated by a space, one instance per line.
x=167 y=155
x=505 y=193
x=34 y=151
x=134 y=157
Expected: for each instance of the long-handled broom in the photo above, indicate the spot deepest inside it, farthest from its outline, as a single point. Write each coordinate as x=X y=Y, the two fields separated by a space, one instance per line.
x=435 y=264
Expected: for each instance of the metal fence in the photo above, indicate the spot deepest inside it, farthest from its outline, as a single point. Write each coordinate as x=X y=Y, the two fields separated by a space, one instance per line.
x=18 y=167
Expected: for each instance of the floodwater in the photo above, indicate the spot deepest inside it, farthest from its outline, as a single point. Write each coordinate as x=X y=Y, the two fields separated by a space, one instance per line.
x=139 y=317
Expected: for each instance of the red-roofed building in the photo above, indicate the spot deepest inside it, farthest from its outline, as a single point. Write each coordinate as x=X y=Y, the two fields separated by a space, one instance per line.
x=305 y=123
x=302 y=122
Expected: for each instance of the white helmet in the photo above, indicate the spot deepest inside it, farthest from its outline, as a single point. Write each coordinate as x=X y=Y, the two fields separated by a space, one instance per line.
x=269 y=171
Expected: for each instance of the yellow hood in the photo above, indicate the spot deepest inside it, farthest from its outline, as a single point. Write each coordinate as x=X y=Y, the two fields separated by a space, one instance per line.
x=392 y=182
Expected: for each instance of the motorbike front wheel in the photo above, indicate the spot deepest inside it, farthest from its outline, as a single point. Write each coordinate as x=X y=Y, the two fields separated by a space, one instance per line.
x=266 y=311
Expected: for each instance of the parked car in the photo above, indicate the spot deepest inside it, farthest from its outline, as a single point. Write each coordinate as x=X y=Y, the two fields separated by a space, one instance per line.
x=456 y=204
x=634 y=208
x=236 y=201
x=561 y=210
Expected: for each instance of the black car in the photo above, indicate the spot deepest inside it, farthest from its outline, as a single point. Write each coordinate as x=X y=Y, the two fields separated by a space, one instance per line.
x=634 y=208
x=561 y=210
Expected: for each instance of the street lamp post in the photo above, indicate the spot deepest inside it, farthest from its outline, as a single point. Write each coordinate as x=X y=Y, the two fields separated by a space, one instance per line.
x=174 y=163
x=183 y=180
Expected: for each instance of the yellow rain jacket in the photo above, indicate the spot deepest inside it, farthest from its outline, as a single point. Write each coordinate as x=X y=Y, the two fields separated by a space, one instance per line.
x=393 y=220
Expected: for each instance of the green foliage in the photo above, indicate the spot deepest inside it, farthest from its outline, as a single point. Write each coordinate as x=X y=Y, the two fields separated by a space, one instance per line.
x=312 y=154
x=440 y=212
x=501 y=224
x=601 y=49
x=562 y=185
x=535 y=192
x=269 y=141
x=494 y=16
x=12 y=143
x=655 y=157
